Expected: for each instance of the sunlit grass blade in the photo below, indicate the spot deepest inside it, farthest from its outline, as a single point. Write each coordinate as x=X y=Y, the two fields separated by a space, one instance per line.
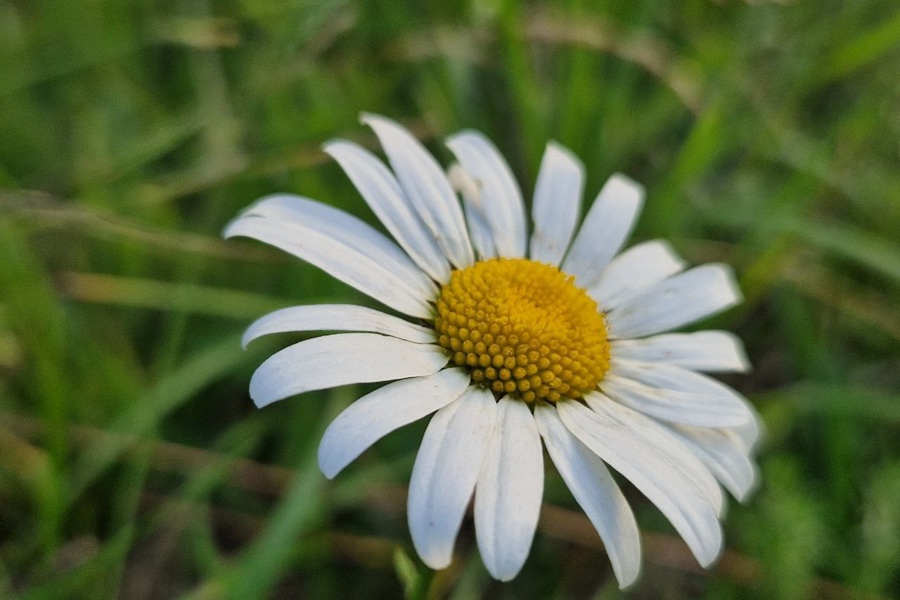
x=864 y=50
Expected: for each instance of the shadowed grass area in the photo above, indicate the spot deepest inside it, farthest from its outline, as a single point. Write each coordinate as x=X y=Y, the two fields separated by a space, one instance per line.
x=132 y=462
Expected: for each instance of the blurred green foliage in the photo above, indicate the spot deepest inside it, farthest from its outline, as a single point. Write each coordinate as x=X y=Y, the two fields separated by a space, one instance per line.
x=132 y=464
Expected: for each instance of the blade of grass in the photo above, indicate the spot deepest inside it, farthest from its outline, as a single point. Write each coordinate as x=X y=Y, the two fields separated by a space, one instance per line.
x=171 y=391
x=38 y=321
x=39 y=211
x=90 y=579
x=262 y=564
x=168 y=296
x=864 y=50
x=868 y=249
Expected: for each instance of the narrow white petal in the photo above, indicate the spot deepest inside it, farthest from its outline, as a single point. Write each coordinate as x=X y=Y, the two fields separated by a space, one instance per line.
x=753 y=432
x=306 y=214
x=657 y=464
x=509 y=489
x=340 y=359
x=633 y=271
x=381 y=191
x=674 y=394
x=604 y=230
x=341 y=245
x=678 y=301
x=445 y=471
x=557 y=203
x=336 y=317
x=700 y=351
x=380 y=412
x=656 y=434
x=473 y=202
x=723 y=454
x=703 y=410
x=427 y=188
x=500 y=194
x=596 y=492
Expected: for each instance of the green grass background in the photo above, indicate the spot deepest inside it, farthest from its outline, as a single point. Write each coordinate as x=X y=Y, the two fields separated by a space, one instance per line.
x=132 y=463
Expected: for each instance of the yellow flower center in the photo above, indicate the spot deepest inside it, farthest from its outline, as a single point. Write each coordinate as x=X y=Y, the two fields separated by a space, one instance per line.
x=524 y=328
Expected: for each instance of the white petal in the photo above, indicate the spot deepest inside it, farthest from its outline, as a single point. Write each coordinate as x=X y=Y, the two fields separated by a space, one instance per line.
x=444 y=475
x=509 y=489
x=473 y=203
x=341 y=245
x=723 y=454
x=633 y=271
x=336 y=317
x=340 y=359
x=306 y=214
x=597 y=493
x=607 y=224
x=380 y=412
x=383 y=194
x=674 y=394
x=500 y=194
x=753 y=432
x=657 y=464
x=557 y=204
x=699 y=351
x=676 y=302
x=656 y=434
x=427 y=188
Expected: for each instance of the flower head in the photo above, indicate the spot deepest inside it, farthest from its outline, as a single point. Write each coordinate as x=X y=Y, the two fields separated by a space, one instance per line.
x=512 y=340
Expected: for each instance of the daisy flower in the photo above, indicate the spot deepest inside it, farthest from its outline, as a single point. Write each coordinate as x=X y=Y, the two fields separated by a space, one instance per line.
x=514 y=341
